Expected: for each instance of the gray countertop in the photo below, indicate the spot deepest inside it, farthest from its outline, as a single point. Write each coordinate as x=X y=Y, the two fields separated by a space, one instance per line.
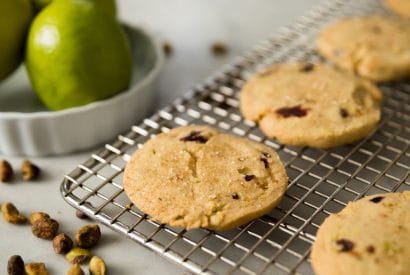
x=191 y=27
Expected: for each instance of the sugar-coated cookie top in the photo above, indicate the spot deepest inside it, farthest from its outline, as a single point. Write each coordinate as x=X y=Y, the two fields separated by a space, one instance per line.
x=369 y=236
x=311 y=104
x=195 y=176
x=401 y=7
x=375 y=47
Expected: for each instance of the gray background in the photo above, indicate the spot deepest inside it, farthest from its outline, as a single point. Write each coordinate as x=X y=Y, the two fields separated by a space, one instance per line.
x=191 y=26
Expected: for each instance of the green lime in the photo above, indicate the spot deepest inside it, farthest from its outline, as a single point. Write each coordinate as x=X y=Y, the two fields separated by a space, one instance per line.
x=110 y=5
x=77 y=53
x=15 y=17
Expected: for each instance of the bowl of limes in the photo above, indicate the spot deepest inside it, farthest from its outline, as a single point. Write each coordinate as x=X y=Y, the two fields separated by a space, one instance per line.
x=85 y=78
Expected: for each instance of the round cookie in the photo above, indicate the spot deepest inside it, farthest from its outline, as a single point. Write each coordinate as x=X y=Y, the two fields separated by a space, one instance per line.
x=369 y=236
x=197 y=177
x=311 y=105
x=401 y=7
x=375 y=47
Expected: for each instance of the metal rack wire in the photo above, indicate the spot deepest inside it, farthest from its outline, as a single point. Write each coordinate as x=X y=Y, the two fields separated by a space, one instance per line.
x=321 y=181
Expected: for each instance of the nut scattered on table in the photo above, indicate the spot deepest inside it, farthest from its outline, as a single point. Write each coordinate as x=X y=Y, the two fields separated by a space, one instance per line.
x=78 y=255
x=62 y=243
x=11 y=214
x=36 y=269
x=88 y=236
x=36 y=216
x=81 y=215
x=45 y=228
x=75 y=270
x=15 y=265
x=219 y=48
x=97 y=266
x=6 y=171
x=29 y=170
x=167 y=48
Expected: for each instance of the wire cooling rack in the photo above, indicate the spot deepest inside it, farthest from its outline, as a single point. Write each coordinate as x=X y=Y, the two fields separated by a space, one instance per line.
x=321 y=181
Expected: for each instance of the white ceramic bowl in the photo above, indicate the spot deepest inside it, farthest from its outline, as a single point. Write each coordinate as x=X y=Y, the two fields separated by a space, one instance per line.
x=28 y=128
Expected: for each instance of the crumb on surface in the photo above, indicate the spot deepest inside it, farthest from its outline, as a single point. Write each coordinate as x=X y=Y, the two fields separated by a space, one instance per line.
x=219 y=48
x=167 y=48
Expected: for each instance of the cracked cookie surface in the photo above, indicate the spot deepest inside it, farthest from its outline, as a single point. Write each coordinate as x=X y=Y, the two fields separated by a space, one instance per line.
x=311 y=104
x=401 y=7
x=197 y=177
x=375 y=47
x=369 y=236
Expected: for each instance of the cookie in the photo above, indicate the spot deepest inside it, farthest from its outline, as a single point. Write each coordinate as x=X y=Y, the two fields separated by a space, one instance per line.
x=311 y=105
x=197 y=177
x=375 y=47
x=401 y=7
x=369 y=236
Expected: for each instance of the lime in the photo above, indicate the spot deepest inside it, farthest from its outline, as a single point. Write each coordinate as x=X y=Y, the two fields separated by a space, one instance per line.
x=110 y=5
x=77 y=53
x=15 y=17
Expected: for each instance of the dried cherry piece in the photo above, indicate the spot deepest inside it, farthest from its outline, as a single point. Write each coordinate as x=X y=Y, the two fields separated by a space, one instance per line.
x=235 y=196
x=344 y=113
x=296 y=111
x=377 y=199
x=266 y=154
x=370 y=249
x=265 y=162
x=249 y=177
x=195 y=136
x=307 y=68
x=345 y=245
